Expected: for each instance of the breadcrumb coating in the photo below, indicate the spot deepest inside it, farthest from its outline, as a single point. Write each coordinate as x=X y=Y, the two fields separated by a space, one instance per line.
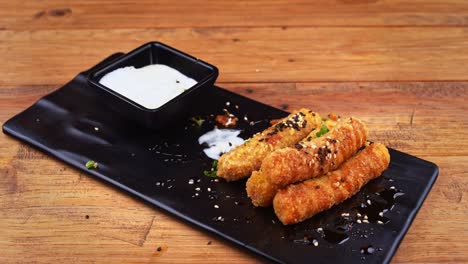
x=298 y=202
x=240 y=162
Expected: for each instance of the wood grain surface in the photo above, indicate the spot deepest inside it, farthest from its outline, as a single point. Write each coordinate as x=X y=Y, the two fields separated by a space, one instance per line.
x=399 y=65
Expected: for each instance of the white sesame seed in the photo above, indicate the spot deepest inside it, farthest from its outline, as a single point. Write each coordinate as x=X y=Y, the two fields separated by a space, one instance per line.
x=365 y=217
x=381 y=214
x=334 y=156
x=380 y=222
x=191 y=181
x=392 y=188
x=228 y=103
x=197 y=189
x=368 y=202
x=365 y=221
x=319 y=229
x=315 y=242
x=358 y=215
x=358 y=221
x=96 y=128
x=345 y=214
x=208 y=189
x=216 y=206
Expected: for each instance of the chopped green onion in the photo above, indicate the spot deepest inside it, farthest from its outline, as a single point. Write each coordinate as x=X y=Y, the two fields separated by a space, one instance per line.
x=212 y=173
x=91 y=164
x=198 y=120
x=323 y=130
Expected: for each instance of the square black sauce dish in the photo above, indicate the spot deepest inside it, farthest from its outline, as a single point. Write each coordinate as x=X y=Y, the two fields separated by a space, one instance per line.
x=156 y=53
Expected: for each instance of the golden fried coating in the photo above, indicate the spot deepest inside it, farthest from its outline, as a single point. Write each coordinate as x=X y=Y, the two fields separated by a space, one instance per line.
x=260 y=190
x=314 y=157
x=243 y=160
x=297 y=202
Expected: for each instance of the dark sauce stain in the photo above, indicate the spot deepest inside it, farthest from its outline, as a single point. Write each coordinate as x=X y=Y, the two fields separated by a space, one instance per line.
x=291 y=60
x=87 y=216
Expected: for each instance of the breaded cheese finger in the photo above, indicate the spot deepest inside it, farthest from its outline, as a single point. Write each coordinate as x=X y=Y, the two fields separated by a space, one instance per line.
x=316 y=157
x=260 y=190
x=243 y=160
x=297 y=202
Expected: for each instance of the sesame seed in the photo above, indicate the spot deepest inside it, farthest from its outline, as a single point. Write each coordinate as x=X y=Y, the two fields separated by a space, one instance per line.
x=358 y=215
x=228 y=103
x=380 y=222
x=368 y=202
x=216 y=206
x=365 y=221
x=345 y=214
x=197 y=189
x=315 y=242
x=381 y=214
x=96 y=128
x=365 y=217
x=191 y=181
x=358 y=221
x=208 y=189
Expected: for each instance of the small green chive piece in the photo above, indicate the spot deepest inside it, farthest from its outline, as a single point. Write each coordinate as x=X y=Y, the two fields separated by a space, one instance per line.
x=198 y=120
x=323 y=130
x=91 y=164
x=212 y=173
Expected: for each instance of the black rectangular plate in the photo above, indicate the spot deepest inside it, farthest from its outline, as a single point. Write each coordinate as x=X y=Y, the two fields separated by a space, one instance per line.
x=158 y=165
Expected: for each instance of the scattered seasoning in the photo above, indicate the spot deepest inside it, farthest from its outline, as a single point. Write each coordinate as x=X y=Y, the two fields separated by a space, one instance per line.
x=91 y=164
x=212 y=173
x=227 y=120
x=159 y=249
x=315 y=242
x=197 y=120
x=87 y=216
x=209 y=243
x=323 y=130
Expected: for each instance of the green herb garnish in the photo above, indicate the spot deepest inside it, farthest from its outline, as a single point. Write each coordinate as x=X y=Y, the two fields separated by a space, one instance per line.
x=323 y=130
x=197 y=120
x=212 y=173
x=91 y=164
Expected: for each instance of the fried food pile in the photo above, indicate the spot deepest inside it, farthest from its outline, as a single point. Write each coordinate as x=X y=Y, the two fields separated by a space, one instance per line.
x=305 y=164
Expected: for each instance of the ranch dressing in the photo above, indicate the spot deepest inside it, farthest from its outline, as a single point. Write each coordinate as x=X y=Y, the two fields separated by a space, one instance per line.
x=150 y=86
x=220 y=141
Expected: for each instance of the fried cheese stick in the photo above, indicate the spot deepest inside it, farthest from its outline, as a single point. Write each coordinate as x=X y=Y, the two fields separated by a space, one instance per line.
x=243 y=160
x=310 y=158
x=297 y=202
x=260 y=190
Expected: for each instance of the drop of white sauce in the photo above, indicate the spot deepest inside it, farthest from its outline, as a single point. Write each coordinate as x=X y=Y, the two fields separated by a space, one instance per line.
x=220 y=141
x=150 y=86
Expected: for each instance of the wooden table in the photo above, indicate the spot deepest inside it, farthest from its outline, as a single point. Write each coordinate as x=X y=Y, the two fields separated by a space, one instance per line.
x=402 y=66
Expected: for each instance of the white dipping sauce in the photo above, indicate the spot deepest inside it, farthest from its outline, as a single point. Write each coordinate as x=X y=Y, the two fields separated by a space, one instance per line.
x=220 y=141
x=150 y=86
